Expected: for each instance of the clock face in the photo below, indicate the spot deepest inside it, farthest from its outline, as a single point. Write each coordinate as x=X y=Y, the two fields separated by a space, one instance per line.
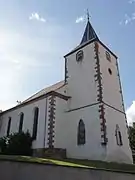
x=79 y=56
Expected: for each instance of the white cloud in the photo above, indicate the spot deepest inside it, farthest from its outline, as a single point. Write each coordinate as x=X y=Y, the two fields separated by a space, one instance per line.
x=80 y=19
x=130 y=112
x=131 y=1
x=36 y=16
x=128 y=19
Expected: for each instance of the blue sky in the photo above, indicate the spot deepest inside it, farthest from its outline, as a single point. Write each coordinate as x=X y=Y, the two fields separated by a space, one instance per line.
x=36 y=34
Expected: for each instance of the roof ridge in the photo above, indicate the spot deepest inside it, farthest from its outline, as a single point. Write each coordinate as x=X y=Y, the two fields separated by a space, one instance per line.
x=44 y=89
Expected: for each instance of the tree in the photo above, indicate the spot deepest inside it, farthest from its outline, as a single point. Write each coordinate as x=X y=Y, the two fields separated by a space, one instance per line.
x=132 y=139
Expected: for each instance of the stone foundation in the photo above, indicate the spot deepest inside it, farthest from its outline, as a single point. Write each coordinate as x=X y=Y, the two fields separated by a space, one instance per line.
x=56 y=153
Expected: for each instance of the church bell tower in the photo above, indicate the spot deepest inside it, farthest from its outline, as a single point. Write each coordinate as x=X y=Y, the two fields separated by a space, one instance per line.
x=93 y=83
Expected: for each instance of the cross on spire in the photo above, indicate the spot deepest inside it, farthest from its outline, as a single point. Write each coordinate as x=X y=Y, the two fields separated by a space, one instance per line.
x=88 y=15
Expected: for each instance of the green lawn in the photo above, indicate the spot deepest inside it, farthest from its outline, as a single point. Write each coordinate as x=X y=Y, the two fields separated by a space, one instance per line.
x=89 y=164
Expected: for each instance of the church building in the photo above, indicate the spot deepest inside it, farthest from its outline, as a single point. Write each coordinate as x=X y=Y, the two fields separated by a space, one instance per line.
x=84 y=114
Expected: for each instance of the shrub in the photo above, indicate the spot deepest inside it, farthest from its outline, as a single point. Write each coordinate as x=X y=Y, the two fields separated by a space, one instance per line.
x=3 y=145
x=17 y=144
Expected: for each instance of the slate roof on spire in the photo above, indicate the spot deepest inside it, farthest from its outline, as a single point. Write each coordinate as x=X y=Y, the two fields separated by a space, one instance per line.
x=89 y=36
x=89 y=33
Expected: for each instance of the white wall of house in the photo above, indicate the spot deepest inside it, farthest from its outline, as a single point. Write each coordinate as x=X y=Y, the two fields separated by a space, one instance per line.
x=28 y=111
x=92 y=149
x=113 y=97
x=115 y=152
x=81 y=84
x=82 y=87
x=111 y=85
x=61 y=129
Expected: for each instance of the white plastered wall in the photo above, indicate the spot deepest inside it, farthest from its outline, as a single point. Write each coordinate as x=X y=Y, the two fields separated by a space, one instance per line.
x=61 y=122
x=82 y=87
x=113 y=97
x=115 y=152
x=92 y=149
x=81 y=82
x=28 y=111
x=110 y=83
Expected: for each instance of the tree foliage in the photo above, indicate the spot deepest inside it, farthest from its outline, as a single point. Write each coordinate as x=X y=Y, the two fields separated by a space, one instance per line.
x=132 y=137
x=16 y=144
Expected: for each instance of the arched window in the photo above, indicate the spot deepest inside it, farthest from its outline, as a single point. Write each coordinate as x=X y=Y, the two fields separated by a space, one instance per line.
x=118 y=136
x=21 y=122
x=35 y=123
x=8 y=126
x=81 y=133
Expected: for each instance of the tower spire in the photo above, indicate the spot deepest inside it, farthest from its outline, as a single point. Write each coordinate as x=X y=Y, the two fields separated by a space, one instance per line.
x=89 y=33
